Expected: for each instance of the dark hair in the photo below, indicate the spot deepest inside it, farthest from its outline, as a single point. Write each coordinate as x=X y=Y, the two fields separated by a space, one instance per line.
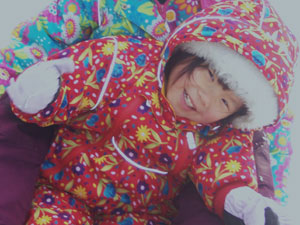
x=181 y=57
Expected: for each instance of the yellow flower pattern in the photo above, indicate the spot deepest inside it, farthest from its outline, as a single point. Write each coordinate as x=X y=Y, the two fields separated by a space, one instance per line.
x=248 y=6
x=80 y=192
x=108 y=49
x=143 y=133
x=43 y=220
x=233 y=166
x=122 y=46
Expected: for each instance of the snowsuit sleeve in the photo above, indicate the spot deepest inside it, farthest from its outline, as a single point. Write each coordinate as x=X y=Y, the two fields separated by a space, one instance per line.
x=84 y=89
x=224 y=163
x=61 y=24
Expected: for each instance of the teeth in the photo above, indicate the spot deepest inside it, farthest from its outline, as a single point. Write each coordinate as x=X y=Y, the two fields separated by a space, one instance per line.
x=188 y=100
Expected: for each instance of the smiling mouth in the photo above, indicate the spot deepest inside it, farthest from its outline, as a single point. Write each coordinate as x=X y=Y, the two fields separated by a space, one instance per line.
x=188 y=100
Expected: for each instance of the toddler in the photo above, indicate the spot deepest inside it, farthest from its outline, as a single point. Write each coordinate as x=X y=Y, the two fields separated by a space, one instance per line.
x=138 y=118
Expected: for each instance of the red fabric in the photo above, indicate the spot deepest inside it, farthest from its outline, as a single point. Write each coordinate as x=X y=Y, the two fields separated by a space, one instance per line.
x=221 y=195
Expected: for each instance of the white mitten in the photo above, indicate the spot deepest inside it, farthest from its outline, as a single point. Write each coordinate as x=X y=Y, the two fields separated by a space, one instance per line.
x=36 y=87
x=255 y=209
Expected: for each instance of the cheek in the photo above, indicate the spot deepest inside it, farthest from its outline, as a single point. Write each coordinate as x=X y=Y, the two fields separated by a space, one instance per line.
x=174 y=88
x=172 y=95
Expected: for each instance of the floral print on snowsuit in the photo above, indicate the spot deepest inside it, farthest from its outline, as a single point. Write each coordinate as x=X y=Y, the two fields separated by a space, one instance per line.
x=120 y=155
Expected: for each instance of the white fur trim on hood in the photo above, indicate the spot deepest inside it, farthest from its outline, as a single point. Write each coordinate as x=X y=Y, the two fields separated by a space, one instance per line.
x=244 y=79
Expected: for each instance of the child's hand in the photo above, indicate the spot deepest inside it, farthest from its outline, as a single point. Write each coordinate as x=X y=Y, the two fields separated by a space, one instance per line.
x=36 y=87
x=245 y=206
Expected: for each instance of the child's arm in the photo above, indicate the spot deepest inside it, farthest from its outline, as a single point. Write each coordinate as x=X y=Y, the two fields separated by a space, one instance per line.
x=61 y=24
x=225 y=176
x=56 y=91
x=224 y=163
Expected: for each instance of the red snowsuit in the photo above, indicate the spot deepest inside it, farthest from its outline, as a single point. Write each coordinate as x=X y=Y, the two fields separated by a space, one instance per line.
x=120 y=154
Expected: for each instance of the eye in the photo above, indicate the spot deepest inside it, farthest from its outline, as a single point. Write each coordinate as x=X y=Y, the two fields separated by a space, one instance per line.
x=211 y=75
x=225 y=103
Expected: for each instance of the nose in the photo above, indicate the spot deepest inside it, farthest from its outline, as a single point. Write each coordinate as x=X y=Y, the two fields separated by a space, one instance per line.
x=209 y=95
x=205 y=97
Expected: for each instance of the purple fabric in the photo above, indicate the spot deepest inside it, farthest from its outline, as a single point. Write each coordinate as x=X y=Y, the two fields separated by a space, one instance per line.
x=263 y=164
x=192 y=210
x=22 y=149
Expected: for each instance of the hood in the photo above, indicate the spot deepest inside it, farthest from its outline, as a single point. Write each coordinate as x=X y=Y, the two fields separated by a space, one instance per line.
x=249 y=46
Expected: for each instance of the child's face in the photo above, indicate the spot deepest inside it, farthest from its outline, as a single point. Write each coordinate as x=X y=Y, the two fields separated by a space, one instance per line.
x=200 y=97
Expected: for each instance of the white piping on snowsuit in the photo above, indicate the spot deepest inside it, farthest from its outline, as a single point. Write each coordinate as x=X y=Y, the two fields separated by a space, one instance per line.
x=133 y=162
x=191 y=144
x=109 y=74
